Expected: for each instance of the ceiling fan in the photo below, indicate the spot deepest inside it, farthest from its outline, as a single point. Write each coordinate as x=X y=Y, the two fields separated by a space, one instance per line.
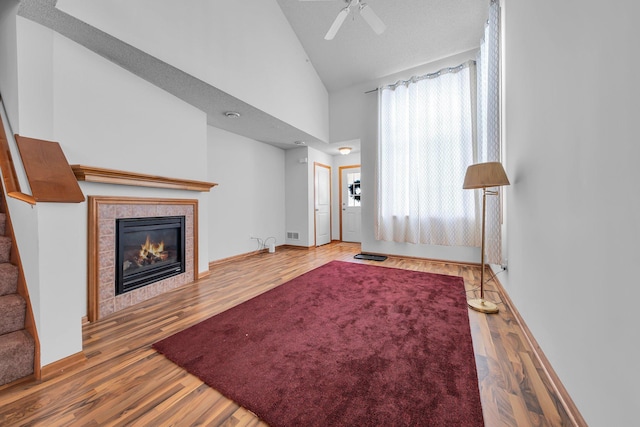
x=365 y=10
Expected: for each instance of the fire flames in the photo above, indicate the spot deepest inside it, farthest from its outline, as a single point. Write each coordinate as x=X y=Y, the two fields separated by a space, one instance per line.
x=151 y=253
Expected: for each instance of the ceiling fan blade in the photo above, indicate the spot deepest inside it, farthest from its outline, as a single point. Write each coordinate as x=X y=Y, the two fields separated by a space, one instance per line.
x=372 y=19
x=337 y=24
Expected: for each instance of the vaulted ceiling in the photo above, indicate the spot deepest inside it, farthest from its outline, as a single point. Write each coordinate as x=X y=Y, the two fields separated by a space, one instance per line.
x=417 y=32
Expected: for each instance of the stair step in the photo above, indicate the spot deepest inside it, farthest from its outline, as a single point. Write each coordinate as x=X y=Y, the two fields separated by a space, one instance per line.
x=17 y=351
x=5 y=248
x=8 y=278
x=3 y=224
x=12 y=313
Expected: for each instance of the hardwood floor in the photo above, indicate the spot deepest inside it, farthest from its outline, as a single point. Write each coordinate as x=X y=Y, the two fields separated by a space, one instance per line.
x=125 y=382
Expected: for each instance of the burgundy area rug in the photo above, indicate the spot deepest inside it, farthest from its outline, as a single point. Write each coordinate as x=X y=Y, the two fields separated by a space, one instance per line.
x=343 y=345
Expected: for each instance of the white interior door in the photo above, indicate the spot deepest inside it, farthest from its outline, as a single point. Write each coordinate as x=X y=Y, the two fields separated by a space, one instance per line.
x=351 y=220
x=322 y=203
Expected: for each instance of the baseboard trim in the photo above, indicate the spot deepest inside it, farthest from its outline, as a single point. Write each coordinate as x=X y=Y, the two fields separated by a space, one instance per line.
x=303 y=248
x=234 y=258
x=568 y=403
x=62 y=365
x=439 y=261
x=252 y=253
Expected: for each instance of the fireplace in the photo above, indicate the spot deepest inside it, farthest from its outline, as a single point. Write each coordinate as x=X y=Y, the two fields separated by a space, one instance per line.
x=104 y=213
x=148 y=250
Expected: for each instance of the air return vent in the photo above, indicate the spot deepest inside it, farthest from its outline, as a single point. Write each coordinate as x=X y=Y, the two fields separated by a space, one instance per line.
x=293 y=235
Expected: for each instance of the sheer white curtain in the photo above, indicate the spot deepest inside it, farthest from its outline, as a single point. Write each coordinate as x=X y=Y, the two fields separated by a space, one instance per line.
x=424 y=147
x=431 y=129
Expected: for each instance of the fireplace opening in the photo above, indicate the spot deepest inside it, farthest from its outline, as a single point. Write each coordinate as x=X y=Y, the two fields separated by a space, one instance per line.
x=148 y=250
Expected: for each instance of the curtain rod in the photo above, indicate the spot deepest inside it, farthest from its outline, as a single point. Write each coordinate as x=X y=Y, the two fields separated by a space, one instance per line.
x=426 y=76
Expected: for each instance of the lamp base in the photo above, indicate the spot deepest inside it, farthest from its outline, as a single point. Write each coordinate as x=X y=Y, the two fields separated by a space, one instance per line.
x=482 y=305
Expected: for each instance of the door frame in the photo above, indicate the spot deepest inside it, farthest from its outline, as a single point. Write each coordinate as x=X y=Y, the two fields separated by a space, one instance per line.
x=315 y=219
x=340 y=169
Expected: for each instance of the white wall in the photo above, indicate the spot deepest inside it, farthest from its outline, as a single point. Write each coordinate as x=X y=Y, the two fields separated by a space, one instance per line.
x=109 y=117
x=101 y=116
x=571 y=109
x=250 y=197
x=62 y=288
x=35 y=90
x=354 y=115
x=244 y=48
x=299 y=188
x=9 y=55
x=9 y=84
x=297 y=164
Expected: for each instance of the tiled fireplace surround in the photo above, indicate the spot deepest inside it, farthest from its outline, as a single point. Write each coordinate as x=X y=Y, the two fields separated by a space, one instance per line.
x=103 y=212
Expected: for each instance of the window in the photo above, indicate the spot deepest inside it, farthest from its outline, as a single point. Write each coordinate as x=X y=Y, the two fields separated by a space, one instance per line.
x=425 y=145
x=429 y=133
x=353 y=184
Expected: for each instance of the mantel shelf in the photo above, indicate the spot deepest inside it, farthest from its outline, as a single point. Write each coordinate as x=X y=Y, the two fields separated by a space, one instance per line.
x=111 y=176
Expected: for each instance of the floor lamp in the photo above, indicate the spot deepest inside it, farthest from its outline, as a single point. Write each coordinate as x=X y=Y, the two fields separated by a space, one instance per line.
x=484 y=175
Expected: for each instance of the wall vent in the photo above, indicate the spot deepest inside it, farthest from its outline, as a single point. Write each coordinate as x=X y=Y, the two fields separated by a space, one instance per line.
x=293 y=235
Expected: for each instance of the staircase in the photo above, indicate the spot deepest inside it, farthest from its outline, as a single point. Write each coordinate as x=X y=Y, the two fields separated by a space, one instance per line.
x=17 y=346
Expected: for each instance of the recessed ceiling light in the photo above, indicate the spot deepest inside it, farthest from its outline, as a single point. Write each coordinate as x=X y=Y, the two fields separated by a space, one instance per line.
x=232 y=114
x=300 y=143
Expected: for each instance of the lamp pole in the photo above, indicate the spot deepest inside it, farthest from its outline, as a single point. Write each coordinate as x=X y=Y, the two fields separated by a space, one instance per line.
x=480 y=304
x=484 y=216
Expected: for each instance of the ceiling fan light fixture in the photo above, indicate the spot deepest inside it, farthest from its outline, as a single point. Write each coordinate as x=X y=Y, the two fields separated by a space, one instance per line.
x=337 y=23
x=372 y=19
x=367 y=13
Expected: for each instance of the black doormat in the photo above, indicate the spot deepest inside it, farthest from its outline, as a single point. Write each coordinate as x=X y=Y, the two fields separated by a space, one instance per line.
x=370 y=257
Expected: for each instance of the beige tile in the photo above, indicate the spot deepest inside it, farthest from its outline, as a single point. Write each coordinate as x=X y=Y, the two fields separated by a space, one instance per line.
x=123 y=301
x=124 y=211
x=106 y=227
x=106 y=307
x=107 y=291
x=106 y=259
x=138 y=295
x=106 y=211
x=107 y=243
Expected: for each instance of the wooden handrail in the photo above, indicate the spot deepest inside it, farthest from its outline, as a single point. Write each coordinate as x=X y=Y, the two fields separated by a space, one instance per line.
x=6 y=163
x=23 y=197
x=12 y=187
x=9 y=176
